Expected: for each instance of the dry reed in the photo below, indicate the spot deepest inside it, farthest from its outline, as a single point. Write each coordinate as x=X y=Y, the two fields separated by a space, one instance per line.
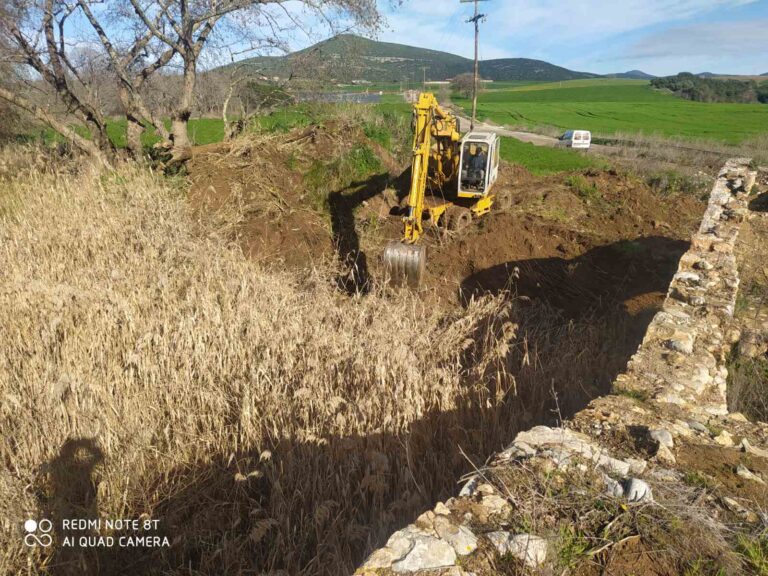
x=268 y=421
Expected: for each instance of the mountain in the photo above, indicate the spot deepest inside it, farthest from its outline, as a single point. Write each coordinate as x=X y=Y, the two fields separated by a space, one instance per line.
x=632 y=75
x=346 y=58
x=506 y=69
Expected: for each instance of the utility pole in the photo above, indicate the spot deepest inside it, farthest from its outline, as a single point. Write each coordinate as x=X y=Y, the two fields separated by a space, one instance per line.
x=424 y=82
x=476 y=20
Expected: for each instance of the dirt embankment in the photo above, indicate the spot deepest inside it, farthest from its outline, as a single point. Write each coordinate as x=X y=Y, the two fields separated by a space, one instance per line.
x=573 y=241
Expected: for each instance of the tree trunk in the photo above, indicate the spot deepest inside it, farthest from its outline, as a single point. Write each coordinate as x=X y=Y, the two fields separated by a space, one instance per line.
x=180 y=116
x=134 y=131
x=179 y=123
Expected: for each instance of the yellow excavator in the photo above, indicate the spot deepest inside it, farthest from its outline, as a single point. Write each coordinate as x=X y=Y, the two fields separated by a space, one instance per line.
x=458 y=172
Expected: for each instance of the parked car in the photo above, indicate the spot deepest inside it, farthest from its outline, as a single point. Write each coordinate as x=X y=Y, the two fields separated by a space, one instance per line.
x=581 y=139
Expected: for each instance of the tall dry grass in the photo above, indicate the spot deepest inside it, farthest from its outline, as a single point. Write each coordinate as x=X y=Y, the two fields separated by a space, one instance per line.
x=147 y=369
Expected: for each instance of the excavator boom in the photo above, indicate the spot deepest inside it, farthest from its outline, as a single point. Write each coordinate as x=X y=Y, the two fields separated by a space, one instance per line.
x=435 y=162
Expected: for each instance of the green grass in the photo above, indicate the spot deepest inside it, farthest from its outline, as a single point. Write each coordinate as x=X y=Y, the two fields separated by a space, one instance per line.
x=348 y=170
x=755 y=552
x=615 y=106
x=543 y=160
x=201 y=131
x=586 y=191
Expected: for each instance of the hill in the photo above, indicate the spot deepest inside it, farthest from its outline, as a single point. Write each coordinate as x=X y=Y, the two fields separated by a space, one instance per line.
x=347 y=58
x=632 y=75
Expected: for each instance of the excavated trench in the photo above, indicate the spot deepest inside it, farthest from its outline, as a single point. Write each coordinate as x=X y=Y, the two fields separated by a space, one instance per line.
x=584 y=261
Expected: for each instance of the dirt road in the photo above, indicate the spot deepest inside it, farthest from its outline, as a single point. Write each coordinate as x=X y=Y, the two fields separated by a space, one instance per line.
x=537 y=139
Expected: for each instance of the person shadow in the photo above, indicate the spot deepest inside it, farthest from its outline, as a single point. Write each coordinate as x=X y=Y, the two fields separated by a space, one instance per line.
x=70 y=492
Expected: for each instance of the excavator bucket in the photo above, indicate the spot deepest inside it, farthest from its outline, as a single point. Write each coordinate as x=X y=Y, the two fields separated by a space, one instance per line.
x=405 y=263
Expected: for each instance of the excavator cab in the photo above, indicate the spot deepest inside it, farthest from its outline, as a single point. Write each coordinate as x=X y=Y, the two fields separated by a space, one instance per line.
x=479 y=164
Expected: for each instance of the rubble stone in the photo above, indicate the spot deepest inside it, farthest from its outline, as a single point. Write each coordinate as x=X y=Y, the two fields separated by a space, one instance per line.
x=532 y=550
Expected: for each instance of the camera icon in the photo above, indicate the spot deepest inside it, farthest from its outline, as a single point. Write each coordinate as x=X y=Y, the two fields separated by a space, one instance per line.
x=38 y=533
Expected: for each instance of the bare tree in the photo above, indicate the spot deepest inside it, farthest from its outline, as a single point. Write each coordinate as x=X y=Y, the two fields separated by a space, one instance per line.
x=138 y=38
x=188 y=25
x=463 y=84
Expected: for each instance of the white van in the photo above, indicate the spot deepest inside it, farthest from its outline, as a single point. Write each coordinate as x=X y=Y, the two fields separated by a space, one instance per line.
x=581 y=139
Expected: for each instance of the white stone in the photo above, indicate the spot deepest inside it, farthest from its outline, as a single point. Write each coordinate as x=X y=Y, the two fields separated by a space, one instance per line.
x=469 y=487
x=518 y=450
x=683 y=344
x=565 y=444
x=637 y=465
x=662 y=437
x=401 y=541
x=613 y=487
x=382 y=558
x=486 y=489
x=665 y=456
x=532 y=550
x=724 y=439
x=495 y=504
x=442 y=509
x=428 y=553
x=460 y=537
x=698 y=426
x=737 y=417
x=745 y=472
x=747 y=447
x=637 y=490
x=688 y=277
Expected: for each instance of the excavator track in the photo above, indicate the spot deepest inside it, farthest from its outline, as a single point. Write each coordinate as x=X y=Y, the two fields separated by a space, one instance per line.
x=405 y=264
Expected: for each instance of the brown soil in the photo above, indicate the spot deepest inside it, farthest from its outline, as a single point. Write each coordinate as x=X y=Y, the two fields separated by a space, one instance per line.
x=631 y=557
x=717 y=469
x=617 y=241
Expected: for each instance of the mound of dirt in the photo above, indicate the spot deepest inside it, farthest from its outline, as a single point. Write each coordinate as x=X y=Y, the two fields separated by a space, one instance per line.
x=570 y=248
x=573 y=241
x=253 y=188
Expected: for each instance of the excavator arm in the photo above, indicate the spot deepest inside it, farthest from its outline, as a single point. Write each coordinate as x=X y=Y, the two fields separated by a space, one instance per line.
x=435 y=162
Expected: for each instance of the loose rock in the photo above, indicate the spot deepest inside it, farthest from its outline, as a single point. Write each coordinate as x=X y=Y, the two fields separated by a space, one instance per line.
x=532 y=550
x=427 y=553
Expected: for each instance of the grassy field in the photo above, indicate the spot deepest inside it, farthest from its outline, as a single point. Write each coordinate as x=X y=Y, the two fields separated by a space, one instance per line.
x=539 y=160
x=201 y=131
x=543 y=160
x=620 y=106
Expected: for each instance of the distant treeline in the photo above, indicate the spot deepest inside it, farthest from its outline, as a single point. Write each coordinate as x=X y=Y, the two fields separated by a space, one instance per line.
x=693 y=87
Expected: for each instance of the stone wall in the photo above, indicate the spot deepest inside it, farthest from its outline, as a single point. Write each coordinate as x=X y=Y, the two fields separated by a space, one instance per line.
x=670 y=402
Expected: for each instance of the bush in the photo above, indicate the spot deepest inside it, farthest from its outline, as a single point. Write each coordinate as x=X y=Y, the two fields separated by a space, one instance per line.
x=693 y=87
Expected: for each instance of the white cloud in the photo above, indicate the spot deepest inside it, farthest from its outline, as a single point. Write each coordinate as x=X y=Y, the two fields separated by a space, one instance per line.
x=723 y=48
x=704 y=40
x=536 y=29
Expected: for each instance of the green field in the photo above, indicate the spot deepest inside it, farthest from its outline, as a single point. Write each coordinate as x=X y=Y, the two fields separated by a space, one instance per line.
x=392 y=111
x=609 y=106
x=201 y=131
x=544 y=160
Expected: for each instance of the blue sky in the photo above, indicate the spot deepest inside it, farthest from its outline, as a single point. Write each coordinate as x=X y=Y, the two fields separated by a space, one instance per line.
x=657 y=36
